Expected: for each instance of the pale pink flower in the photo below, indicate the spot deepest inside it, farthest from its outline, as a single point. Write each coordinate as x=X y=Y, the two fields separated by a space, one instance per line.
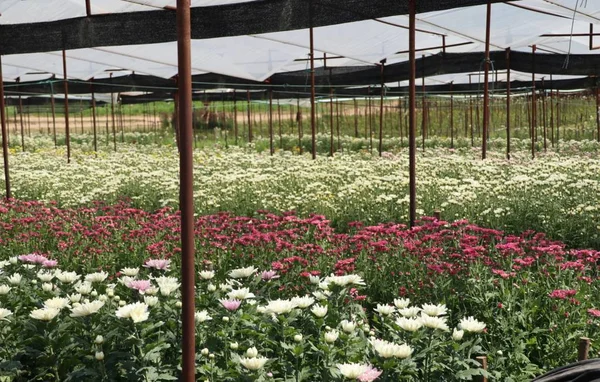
x=269 y=275
x=33 y=258
x=231 y=305
x=140 y=285
x=369 y=375
x=49 y=263
x=161 y=264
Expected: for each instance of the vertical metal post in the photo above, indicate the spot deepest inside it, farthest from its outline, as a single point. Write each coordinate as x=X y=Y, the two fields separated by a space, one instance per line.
x=381 y=108
x=355 y=118
x=121 y=117
x=186 y=168
x=81 y=114
x=486 y=85
x=412 y=145
x=53 y=111
x=507 y=103
x=331 y=122
x=249 y=118
x=557 y=118
x=451 y=115
x=4 y=137
x=88 y=8
x=533 y=100
x=280 y=127
x=271 y=149
x=312 y=82
x=66 y=91
x=423 y=104
x=471 y=112
x=544 y=127
x=94 y=115
x=552 y=137
x=21 y=117
x=235 y=121
x=112 y=112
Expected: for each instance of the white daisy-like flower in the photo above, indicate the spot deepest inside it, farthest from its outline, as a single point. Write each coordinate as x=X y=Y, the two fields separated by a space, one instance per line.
x=86 y=308
x=434 y=310
x=254 y=363
x=96 y=277
x=44 y=314
x=401 y=303
x=352 y=370
x=385 y=310
x=240 y=294
x=241 y=273
x=57 y=303
x=138 y=312
x=303 y=302
x=470 y=324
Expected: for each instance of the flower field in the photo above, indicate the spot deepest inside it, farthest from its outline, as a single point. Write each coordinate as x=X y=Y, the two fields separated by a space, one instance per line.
x=306 y=270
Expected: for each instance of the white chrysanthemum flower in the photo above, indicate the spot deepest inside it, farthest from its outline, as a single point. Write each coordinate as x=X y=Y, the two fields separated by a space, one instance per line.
x=434 y=310
x=303 y=302
x=151 y=291
x=4 y=289
x=206 y=275
x=314 y=279
x=57 y=303
x=130 y=272
x=435 y=322
x=15 y=279
x=252 y=352
x=86 y=308
x=4 y=313
x=44 y=314
x=345 y=280
x=167 y=285
x=202 y=316
x=45 y=276
x=387 y=349
x=253 y=364
x=138 y=312
x=47 y=287
x=457 y=335
x=4 y=263
x=280 y=306
x=331 y=336
x=352 y=370
x=84 y=288
x=151 y=300
x=13 y=260
x=321 y=296
x=401 y=303
x=75 y=297
x=240 y=294
x=409 y=324
x=96 y=277
x=409 y=312
x=319 y=310
x=66 y=277
x=242 y=272
x=470 y=324
x=348 y=326
x=385 y=310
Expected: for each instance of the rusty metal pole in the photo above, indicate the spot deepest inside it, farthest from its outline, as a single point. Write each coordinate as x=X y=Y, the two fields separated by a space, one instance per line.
x=66 y=91
x=423 y=105
x=186 y=168
x=312 y=83
x=94 y=115
x=88 y=8
x=507 y=103
x=486 y=85
x=271 y=149
x=249 y=117
x=544 y=127
x=4 y=137
x=412 y=144
x=471 y=113
x=533 y=100
x=552 y=137
x=280 y=126
x=381 y=108
x=331 y=122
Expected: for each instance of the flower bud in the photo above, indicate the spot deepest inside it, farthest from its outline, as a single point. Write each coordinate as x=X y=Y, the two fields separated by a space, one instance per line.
x=94 y=293
x=211 y=288
x=457 y=335
x=99 y=340
x=178 y=304
x=99 y=355
x=225 y=319
x=252 y=352
x=204 y=351
x=234 y=346
x=211 y=356
x=298 y=338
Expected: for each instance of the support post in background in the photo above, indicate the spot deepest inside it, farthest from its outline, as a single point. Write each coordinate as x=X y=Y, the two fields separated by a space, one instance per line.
x=280 y=127
x=186 y=169
x=21 y=116
x=471 y=113
x=533 y=101
x=94 y=115
x=249 y=117
x=81 y=114
x=271 y=148
x=331 y=122
x=121 y=117
x=486 y=85
x=381 y=107
x=355 y=118
x=451 y=115
x=583 y=349
x=552 y=137
x=53 y=112
x=66 y=91
x=544 y=127
x=483 y=362
x=423 y=105
x=4 y=137
x=508 y=103
x=412 y=144
x=312 y=83
x=557 y=118
x=235 y=121
x=112 y=112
